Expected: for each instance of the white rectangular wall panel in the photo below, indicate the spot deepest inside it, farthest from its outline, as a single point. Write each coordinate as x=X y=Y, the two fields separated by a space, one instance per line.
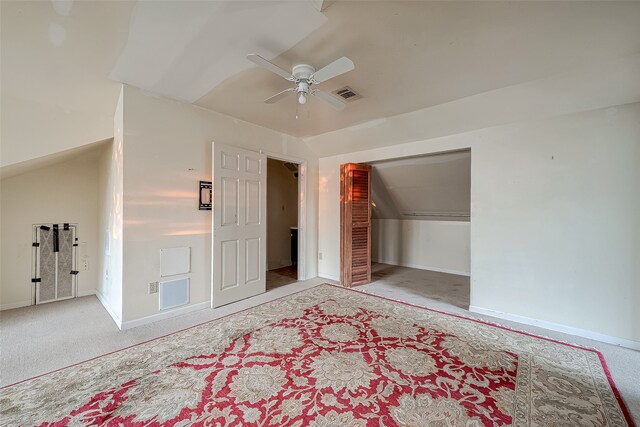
x=173 y=293
x=175 y=261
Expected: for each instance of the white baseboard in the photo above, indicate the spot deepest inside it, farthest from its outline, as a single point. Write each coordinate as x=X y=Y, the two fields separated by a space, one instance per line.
x=329 y=277
x=87 y=293
x=18 y=304
x=425 y=267
x=107 y=307
x=275 y=267
x=165 y=315
x=622 y=342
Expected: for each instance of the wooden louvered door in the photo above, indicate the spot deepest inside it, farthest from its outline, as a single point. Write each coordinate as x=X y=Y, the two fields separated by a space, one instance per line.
x=355 y=224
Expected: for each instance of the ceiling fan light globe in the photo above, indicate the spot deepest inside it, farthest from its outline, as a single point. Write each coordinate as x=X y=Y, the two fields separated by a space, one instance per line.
x=302 y=99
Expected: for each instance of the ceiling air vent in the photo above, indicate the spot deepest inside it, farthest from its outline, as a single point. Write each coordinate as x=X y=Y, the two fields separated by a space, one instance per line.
x=347 y=94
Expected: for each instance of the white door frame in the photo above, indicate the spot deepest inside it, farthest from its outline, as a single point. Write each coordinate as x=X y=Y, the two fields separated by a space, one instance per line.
x=302 y=207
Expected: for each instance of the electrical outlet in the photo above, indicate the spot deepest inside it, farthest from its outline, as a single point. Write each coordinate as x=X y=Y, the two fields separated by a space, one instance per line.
x=106 y=274
x=320 y=256
x=153 y=288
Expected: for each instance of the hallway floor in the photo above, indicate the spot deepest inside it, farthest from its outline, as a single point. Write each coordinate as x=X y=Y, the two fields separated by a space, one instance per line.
x=281 y=276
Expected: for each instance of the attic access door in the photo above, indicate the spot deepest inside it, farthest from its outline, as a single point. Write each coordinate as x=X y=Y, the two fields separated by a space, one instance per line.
x=355 y=224
x=239 y=224
x=54 y=262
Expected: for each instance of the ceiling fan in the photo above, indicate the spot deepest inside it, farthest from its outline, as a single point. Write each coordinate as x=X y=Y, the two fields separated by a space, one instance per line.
x=304 y=76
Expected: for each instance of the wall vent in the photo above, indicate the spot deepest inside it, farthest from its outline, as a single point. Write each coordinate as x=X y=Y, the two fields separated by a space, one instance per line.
x=347 y=94
x=173 y=293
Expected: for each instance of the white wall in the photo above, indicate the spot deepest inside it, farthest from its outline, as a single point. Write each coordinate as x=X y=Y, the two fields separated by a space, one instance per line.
x=167 y=150
x=111 y=216
x=555 y=214
x=58 y=193
x=428 y=245
x=282 y=213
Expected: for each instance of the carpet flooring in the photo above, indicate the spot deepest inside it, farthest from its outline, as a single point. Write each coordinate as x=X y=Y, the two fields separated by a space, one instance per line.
x=38 y=339
x=448 y=289
x=329 y=356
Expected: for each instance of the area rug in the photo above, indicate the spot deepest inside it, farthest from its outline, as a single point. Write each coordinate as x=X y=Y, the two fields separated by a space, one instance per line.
x=323 y=357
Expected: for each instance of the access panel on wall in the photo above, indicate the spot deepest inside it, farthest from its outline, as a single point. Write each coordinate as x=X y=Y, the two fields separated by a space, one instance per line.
x=355 y=224
x=55 y=273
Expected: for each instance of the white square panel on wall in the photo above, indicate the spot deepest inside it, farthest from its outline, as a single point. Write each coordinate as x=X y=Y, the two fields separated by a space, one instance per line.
x=175 y=261
x=173 y=293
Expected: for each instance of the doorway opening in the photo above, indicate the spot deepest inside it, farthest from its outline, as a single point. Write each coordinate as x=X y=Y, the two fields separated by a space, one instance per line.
x=239 y=222
x=282 y=222
x=420 y=222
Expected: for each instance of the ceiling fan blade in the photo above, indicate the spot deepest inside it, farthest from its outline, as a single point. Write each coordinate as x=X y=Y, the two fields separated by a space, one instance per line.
x=278 y=96
x=259 y=60
x=337 y=67
x=335 y=102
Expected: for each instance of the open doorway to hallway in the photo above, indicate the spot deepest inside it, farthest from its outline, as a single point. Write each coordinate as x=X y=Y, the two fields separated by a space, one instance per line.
x=282 y=223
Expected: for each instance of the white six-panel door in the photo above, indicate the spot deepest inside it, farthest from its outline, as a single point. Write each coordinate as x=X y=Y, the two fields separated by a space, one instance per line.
x=239 y=224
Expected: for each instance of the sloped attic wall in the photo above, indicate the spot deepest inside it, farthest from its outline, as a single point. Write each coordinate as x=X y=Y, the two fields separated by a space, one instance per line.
x=421 y=212
x=62 y=192
x=423 y=187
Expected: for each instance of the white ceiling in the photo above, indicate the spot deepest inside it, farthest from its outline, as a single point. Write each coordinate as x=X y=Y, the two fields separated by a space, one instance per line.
x=184 y=49
x=412 y=55
x=408 y=55
x=62 y=50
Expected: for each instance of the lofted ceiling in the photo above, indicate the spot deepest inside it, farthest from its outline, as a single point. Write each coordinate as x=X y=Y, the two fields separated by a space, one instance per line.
x=412 y=55
x=408 y=55
x=184 y=49
x=61 y=52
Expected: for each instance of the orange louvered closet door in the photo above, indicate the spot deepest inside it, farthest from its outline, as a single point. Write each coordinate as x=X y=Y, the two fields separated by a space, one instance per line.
x=355 y=224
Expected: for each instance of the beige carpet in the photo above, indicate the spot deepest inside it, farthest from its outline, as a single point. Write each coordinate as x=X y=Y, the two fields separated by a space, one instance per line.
x=450 y=289
x=329 y=356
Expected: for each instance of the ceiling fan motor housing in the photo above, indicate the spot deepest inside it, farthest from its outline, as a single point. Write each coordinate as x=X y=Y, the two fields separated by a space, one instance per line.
x=303 y=73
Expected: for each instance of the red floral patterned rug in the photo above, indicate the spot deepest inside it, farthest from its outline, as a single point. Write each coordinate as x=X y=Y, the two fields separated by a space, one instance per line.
x=328 y=357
